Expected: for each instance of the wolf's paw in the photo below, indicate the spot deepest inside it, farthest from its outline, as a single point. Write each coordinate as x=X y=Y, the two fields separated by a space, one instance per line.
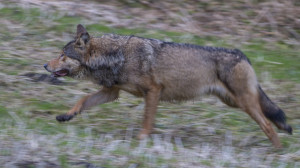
x=64 y=117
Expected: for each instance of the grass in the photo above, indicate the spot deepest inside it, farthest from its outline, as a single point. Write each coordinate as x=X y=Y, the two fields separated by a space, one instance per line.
x=200 y=133
x=20 y=14
x=279 y=61
x=3 y=112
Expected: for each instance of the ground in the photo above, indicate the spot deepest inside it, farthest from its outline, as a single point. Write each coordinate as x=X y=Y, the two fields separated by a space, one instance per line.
x=199 y=133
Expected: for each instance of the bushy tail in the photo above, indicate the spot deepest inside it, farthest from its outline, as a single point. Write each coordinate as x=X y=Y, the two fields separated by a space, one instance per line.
x=273 y=112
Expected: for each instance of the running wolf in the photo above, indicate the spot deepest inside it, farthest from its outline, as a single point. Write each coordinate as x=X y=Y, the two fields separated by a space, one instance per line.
x=166 y=71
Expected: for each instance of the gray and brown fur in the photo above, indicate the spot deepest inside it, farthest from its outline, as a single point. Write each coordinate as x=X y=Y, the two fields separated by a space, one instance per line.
x=158 y=70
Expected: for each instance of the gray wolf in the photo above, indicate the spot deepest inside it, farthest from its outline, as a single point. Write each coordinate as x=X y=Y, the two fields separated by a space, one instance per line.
x=164 y=71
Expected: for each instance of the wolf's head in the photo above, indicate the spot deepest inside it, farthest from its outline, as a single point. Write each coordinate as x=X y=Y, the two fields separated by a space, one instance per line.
x=69 y=62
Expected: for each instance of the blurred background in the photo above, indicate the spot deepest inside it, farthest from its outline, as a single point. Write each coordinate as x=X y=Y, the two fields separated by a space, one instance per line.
x=200 y=133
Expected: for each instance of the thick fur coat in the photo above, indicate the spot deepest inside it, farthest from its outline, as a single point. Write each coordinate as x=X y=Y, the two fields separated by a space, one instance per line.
x=158 y=70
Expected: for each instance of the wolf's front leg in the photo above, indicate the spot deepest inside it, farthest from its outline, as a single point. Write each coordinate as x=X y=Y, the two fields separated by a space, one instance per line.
x=103 y=96
x=151 y=101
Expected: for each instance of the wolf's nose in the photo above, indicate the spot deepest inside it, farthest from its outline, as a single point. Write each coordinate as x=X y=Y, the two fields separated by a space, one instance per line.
x=45 y=66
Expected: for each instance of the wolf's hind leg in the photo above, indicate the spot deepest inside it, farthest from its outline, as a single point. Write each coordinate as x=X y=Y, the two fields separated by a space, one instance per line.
x=103 y=96
x=250 y=104
x=242 y=82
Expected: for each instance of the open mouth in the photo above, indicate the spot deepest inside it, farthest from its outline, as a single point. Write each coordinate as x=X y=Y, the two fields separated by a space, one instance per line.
x=61 y=73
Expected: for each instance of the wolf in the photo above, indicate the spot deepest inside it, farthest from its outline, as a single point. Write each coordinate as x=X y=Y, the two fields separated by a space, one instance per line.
x=164 y=71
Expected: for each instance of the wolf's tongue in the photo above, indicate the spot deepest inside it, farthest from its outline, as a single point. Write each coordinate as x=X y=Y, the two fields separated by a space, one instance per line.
x=63 y=72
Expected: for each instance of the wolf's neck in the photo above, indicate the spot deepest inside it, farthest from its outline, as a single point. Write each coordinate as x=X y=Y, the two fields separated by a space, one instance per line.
x=104 y=59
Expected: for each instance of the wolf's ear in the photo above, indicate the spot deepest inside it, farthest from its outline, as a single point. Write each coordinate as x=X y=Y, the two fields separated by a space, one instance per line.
x=82 y=34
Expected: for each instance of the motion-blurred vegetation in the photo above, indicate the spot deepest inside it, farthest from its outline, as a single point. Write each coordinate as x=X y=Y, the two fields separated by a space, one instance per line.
x=201 y=133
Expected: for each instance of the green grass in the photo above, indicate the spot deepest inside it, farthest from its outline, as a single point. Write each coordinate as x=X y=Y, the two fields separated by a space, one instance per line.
x=63 y=159
x=44 y=105
x=3 y=112
x=15 y=61
x=19 y=14
x=279 y=61
x=65 y=24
